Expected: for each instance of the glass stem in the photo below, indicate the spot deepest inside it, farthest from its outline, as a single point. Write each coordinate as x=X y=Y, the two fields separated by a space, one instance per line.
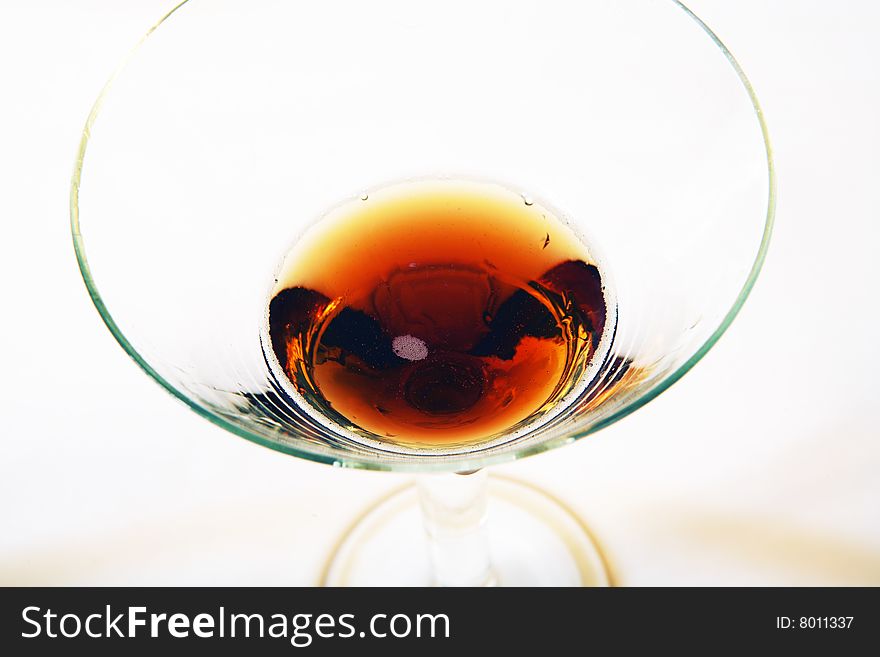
x=454 y=514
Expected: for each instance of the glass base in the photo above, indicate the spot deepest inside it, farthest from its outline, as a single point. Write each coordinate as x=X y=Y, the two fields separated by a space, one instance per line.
x=534 y=540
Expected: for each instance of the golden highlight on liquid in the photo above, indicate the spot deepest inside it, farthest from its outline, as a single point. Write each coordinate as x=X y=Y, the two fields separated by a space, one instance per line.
x=436 y=313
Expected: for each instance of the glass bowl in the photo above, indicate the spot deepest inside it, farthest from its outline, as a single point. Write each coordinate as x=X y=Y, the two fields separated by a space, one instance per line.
x=232 y=126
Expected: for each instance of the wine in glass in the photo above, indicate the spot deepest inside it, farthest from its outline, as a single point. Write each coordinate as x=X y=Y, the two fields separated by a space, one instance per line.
x=425 y=238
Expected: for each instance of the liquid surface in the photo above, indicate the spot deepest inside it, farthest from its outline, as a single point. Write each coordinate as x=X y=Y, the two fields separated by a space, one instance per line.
x=436 y=313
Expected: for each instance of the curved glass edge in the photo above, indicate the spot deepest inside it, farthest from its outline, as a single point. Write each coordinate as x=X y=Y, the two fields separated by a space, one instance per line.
x=419 y=464
x=758 y=263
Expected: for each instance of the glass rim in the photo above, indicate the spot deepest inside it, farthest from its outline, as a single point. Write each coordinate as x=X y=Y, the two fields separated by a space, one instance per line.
x=459 y=462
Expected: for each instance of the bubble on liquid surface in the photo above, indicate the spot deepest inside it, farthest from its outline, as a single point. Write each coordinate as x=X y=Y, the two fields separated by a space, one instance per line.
x=528 y=200
x=410 y=347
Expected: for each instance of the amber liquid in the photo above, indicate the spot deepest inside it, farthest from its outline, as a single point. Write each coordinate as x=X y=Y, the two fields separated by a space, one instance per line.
x=437 y=313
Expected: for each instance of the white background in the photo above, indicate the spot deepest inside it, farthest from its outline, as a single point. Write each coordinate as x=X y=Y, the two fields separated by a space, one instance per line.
x=762 y=466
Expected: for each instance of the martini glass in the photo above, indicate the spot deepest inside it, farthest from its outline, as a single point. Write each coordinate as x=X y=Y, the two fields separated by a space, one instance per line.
x=233 y=125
